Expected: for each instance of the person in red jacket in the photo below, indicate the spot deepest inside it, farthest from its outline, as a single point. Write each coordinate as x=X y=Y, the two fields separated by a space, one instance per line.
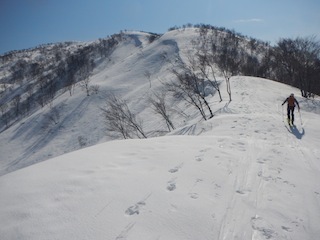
x=292 y=102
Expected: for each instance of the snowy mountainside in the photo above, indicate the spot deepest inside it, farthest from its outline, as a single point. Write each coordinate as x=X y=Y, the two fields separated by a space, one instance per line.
x=244 y=174
x=71 y=122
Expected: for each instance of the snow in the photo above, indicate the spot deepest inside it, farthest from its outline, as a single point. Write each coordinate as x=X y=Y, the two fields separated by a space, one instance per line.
x=244 y=174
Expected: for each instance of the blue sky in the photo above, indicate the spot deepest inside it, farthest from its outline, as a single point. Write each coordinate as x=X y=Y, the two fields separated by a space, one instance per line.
x=28 y=23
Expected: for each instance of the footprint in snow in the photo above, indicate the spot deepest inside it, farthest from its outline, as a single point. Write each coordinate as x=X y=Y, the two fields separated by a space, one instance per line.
x=135 y=209
x=240 y=192
x=175 y=169
x=171 y=185
x=262 y=229
x=290 y=184
x=194 y=195
x=286 y=229
x=200 y=157
x=204 y=150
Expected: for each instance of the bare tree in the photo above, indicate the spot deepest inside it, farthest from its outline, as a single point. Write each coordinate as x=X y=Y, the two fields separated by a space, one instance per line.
x=42 y=82
x=71 y=68
x=206 y=56
x=54 y=115
x=206 y=66
x=229 y=58
x=160 y=107
x=147 y=74
x=84 y=74
x=16 y=104
x=121 y=120
x=5 y=116
x=82 y=141
x=51 y=91
x=94 y=89
x=71 y=83
x=85 y=84
x=191 y=89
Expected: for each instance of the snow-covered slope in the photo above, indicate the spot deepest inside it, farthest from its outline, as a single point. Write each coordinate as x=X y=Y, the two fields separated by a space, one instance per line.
x=244 y=174
x=124 y=72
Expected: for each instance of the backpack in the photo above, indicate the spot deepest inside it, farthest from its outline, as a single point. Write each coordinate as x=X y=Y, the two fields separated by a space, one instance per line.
x=291 y=101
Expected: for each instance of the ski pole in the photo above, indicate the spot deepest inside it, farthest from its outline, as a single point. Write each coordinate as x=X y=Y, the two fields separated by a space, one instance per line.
x=300 y=116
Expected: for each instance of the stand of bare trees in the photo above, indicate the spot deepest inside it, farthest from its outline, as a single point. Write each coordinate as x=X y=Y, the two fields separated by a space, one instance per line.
x=219 y=52
x=297 y=62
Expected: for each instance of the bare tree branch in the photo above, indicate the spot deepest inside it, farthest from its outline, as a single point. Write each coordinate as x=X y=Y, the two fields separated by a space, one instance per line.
x=121 y=120
x=160 y=107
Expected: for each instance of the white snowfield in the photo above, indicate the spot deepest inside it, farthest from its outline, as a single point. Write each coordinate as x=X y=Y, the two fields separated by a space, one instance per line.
x=244 y=174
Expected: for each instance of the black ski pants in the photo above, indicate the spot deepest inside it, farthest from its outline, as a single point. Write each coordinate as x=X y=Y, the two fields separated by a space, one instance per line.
x=291 y=113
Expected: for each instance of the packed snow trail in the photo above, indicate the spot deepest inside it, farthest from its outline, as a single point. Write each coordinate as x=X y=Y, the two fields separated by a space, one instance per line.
x=244 y=177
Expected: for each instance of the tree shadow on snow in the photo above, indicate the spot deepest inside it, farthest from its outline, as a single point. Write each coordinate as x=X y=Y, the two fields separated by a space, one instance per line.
x=295 y=131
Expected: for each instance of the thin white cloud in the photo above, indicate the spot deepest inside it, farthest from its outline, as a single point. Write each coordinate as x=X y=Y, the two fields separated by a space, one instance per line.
x=249 y=20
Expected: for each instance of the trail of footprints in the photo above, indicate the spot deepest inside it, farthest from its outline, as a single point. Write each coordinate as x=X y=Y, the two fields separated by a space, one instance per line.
x=261 y=227
x=136 y=208
x=172 y=185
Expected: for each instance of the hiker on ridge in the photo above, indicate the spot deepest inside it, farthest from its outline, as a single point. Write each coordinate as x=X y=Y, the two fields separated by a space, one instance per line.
x=292 y=102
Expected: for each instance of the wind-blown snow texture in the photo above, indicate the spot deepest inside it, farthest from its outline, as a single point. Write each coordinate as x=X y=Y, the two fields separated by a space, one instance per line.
x=243 y=174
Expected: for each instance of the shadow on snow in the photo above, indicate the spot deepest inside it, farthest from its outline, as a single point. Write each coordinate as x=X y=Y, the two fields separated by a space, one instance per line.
x=295 y=131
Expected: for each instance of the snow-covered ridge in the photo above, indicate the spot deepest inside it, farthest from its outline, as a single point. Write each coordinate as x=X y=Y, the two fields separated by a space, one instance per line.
x=243 y=174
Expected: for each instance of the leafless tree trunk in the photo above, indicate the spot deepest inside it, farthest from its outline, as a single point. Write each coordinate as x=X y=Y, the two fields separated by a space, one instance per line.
x=82 y=141
x=3 y=108
x=85 y=83
x=228 y=59
x=84 y=74
x=16 y=104
x=147 y=74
